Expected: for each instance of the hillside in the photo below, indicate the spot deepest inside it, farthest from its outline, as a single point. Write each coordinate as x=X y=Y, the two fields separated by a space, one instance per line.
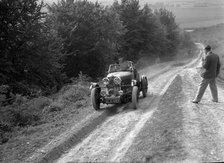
x=51 y=58
x=166 y=127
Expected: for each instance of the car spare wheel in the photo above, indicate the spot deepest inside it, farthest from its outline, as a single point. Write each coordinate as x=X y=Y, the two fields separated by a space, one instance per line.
x=95 y=98
x=144 y=84
x=135 y=93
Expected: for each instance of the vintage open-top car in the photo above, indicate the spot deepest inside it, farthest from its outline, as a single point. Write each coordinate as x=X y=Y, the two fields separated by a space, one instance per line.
x=122 y=84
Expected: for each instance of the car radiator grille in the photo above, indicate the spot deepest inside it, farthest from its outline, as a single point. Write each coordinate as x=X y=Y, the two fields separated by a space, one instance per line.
x=113 y=89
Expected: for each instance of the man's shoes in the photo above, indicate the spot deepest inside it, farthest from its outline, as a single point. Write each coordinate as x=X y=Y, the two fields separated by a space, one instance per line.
x=214 y=100
x=196 y=102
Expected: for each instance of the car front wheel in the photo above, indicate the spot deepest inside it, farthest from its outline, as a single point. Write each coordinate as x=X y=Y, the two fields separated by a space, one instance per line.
x=144 y=84
x=95 y=98
x=135 y=94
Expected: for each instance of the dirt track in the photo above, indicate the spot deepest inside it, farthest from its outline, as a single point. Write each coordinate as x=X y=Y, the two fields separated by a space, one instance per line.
x=110 y=141
x=166 y=127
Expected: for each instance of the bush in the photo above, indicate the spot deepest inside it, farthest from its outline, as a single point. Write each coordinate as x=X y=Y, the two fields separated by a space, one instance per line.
x=4 y=129
x=39 y=103
x=77 y=90
x=82 y=79
x=76 y=93
x=55 y=106
x=6 y=96
x=24 y=112
x=16 y=116
x=23 y=117
x=3 y=90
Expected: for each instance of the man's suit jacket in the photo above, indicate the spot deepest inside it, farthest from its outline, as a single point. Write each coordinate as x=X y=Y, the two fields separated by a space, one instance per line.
x=211 y=65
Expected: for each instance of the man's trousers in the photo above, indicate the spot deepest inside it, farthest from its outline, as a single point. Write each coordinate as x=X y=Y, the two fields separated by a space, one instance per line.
x=202 y=87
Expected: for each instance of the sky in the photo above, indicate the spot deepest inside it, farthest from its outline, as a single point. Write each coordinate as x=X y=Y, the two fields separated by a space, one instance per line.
x=51 y=1
x=100 y=1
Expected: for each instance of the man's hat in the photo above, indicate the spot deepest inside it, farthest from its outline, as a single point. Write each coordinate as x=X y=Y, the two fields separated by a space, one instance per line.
x=208 y=47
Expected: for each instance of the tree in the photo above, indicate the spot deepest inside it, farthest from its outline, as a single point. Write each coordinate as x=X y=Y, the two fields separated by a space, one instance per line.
x=144 y=36
x=171 y=29
x=153 y=34
x=26 y=55
x=90 y=35
x=129 y=11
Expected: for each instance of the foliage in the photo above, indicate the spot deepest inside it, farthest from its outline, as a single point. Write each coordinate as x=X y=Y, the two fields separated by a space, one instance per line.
x=90 y=35
x=67 y=47
x=40 y=51
x=27 y=54
x=148 y=33
x=23 y=112
x=73 y=43
x=3 y=92
x=32 y=112
x=170 y=28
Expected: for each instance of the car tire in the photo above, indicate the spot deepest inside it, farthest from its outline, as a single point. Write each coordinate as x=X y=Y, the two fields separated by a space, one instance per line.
x=95 y=98
x=134 y=99
x=144 y=85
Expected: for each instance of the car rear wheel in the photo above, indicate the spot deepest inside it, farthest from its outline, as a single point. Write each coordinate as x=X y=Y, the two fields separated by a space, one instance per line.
x=135 y=94
x=144 y=84
x=95 y=98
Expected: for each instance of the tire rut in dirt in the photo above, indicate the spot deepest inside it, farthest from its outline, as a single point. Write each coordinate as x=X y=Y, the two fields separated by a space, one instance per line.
x=99 y=144
x=99 y=134
x=161 y=138
x=167 y=74
x=52 y=153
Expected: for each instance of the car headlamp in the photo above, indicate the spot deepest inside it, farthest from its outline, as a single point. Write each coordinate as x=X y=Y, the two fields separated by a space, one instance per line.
x=133 y=83
x=121 y=92
x=105 y=81
x=117 y=80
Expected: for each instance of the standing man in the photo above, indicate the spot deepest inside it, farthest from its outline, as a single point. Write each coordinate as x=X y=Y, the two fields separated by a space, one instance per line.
x=211 y=65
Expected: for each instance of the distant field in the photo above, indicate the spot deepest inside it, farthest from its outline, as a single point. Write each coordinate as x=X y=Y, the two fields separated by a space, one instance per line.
x=190 y=17
x=198 y=17
x=185 y=17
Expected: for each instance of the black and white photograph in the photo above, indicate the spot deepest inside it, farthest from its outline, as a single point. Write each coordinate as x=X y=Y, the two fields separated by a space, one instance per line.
x=111 y=81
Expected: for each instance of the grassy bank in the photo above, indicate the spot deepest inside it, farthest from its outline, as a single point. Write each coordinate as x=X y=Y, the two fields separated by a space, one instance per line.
x=28 y=124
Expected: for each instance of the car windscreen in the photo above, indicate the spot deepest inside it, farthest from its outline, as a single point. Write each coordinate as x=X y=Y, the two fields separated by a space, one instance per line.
x=119 y=67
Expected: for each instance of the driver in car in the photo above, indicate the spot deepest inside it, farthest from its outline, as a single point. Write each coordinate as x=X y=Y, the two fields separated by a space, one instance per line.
x=126 y=65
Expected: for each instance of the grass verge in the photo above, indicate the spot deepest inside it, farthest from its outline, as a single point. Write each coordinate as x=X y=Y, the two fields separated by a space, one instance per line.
x=27 y=125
